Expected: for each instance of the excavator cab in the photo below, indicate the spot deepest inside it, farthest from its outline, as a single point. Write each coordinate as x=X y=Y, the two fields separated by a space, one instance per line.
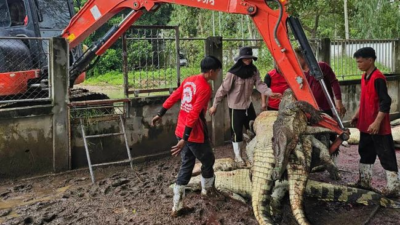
x=34 y=19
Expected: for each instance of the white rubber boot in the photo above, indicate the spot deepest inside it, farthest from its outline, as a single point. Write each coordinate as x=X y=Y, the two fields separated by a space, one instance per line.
x=206 y=185
x=208 y=189
x=237 y=146
x=365 y=176
x=179 y=194
x=393 y=184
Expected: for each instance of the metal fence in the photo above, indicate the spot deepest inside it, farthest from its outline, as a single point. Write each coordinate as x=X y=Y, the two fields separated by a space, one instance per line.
x=24 y=63
x=341 y=57
x=152 y=59
x=157 y=60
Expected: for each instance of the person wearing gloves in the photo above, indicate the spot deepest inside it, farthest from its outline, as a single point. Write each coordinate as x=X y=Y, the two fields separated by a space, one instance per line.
x=238 y=86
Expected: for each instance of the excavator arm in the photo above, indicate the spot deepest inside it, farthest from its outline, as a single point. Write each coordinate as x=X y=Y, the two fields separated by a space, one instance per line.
x=272 y=25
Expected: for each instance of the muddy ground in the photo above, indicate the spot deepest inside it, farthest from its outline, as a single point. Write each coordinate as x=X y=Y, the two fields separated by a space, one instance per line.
x=142 y=196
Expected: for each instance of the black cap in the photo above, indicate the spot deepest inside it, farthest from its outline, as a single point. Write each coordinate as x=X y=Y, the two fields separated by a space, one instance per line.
x=246 y=53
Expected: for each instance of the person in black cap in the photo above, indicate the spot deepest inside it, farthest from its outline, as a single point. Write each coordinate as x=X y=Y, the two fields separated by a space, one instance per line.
x=238 y=87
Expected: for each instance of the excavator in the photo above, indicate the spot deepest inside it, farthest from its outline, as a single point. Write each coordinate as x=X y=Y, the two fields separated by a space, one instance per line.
x=272 y=23
x=25 y=24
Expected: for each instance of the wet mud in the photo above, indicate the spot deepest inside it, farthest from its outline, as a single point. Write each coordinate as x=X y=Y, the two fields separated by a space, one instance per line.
x=142 y=196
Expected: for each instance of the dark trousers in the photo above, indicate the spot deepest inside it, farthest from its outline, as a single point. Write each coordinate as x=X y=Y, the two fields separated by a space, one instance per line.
x=203 y=152
x=382 y=146
x=240 y=118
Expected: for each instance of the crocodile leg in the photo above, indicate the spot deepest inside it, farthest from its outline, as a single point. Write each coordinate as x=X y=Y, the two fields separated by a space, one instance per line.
x=325 y=158
x=280 y=190
x=317 y=130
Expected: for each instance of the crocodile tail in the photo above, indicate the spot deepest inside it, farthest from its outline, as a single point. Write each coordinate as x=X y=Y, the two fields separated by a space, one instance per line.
x=332 y=192
x=298 y=176
x=262 y=184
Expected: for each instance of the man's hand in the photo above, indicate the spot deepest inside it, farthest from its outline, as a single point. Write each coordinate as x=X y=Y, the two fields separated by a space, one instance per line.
x=354 y=121
x=340 y=108
x=275 y=96
x=155 y=120
x=175 y=150
x=263 y=106
x=374 y=128
x=212 y=110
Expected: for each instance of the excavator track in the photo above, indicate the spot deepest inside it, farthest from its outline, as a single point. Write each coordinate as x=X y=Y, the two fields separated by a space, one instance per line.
x=77 y=94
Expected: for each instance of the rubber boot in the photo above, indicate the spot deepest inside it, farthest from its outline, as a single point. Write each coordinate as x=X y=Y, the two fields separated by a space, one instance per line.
x=237 y=146
x=179 y=194
x=365 y=177
x=393 y=184
x=208 y=188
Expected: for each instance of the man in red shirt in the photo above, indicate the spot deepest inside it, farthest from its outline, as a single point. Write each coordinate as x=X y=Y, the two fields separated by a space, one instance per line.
x=278 y=84
x=194 y=94
x=372 y=119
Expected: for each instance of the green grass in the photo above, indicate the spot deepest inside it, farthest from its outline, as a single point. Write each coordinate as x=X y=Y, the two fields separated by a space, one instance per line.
x=152 y=78
x=344 y=68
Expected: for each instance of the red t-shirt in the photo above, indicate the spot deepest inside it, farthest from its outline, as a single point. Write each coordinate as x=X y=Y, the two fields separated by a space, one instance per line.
x=194 y=93
x=278 y=85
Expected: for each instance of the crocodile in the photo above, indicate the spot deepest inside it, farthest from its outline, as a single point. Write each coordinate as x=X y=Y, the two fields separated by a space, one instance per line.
x=225 y=164
x=262 y=167
x=291 y=123
x=292 y=146
x=264 y=163
x=238 y=182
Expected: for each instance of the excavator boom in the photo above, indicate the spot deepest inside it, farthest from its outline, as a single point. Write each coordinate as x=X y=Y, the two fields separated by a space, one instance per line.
x=270 y=23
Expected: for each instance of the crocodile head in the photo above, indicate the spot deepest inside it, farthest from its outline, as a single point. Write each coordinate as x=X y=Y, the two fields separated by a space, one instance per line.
x=287 y=98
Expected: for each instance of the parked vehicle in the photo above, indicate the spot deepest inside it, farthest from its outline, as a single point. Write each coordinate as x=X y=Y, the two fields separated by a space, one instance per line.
x=182 y=60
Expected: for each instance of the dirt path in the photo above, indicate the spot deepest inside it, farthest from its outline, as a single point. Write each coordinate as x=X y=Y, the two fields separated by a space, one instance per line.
x=142 y=196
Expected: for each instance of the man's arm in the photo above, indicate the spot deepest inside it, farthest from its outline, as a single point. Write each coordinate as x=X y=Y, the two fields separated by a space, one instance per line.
x=384 y=105
x=191 y=119
x=334 y=83
x=202 y=99
x=171 y=100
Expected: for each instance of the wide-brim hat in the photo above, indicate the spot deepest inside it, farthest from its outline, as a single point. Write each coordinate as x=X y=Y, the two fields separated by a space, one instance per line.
x=245 y=53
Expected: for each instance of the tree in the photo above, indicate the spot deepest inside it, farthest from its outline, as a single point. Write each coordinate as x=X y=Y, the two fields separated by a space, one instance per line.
x=376 y=19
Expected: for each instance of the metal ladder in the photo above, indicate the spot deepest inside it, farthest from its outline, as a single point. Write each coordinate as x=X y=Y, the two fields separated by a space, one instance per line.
x=85 y=137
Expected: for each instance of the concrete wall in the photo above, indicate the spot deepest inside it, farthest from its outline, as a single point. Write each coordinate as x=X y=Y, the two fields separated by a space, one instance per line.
x=145 y=140
x=26 y=135
x=26 y=142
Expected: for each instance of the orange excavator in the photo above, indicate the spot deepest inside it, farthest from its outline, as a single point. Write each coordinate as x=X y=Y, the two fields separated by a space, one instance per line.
x=25 y=26
x=271 y=23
